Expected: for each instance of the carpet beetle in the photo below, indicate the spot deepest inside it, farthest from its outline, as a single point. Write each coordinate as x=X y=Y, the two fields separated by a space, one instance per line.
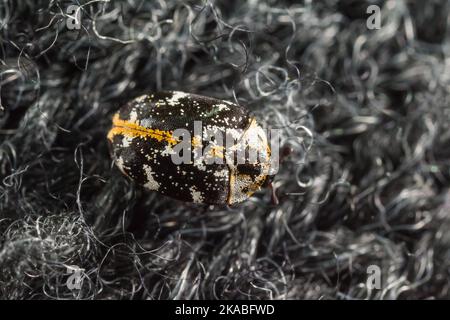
x=145 y=139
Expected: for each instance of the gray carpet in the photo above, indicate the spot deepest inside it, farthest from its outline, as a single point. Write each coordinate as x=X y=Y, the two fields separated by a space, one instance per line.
x=365 y=111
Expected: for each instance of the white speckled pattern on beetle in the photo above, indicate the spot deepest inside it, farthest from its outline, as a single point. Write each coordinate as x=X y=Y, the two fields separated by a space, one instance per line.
x=143 y=143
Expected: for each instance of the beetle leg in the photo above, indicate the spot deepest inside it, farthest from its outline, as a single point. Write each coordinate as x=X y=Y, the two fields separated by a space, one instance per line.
x=273 y=193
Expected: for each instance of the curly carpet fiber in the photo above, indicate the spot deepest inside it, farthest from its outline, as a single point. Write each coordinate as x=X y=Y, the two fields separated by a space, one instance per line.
x=366 y=113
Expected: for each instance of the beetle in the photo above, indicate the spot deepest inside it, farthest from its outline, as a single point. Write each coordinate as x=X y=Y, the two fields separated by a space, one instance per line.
x=145 y=139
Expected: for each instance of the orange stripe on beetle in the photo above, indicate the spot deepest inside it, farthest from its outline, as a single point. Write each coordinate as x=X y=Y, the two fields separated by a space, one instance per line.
x=133 y=130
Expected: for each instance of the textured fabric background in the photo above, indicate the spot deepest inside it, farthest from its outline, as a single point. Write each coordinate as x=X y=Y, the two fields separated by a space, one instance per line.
x=366 y=112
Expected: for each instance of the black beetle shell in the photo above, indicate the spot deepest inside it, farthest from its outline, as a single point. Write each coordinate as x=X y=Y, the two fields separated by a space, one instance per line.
x=146 y=156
